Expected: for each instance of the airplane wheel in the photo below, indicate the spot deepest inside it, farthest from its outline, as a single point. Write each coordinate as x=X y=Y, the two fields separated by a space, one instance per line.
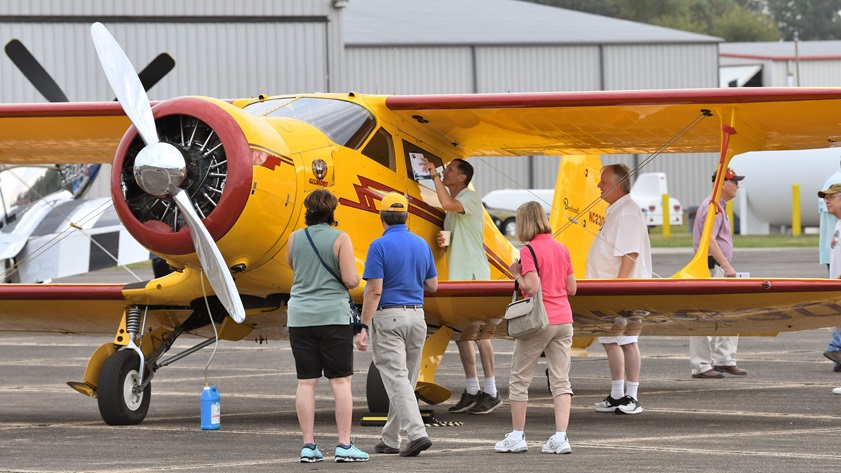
x=375 y=391
x=509 y=228
x=118 y=404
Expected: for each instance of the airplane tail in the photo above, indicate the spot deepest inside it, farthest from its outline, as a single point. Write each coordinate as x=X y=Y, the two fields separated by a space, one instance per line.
x=577 y=211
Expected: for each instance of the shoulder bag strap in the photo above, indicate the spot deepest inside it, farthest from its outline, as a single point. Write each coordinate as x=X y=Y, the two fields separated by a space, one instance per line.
x=536 y=266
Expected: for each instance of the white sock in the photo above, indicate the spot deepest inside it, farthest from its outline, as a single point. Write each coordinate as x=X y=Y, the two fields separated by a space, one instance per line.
x=560 y=436
x=472 y=385
x=632 y=389
x=490 y=386
x=617 y=388
x=516 y=435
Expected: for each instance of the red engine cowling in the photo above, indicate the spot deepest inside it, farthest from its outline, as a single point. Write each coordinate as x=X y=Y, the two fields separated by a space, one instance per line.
x=218 y=181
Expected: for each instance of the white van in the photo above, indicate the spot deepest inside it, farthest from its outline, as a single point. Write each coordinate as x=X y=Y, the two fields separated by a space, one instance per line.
x=648 y=192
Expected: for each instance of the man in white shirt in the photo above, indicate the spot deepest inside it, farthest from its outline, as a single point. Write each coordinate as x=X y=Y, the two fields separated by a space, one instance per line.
x=621 y=250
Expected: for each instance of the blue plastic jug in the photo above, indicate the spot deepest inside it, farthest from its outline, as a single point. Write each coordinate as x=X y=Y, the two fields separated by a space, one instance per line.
x=211 y=409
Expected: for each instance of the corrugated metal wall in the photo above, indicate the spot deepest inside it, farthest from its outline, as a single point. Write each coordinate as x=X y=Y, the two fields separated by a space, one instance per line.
x=656 y=66
x=211 y=59
x=409 y=70
x=537 y=68
x=221 y=49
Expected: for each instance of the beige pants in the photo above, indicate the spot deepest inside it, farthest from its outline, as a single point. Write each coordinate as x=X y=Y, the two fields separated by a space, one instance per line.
x=707 y=352
x=397 y=337
x=555 y=341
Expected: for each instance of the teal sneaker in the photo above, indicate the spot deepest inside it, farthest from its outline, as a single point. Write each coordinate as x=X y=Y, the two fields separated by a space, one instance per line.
x=349 y=453
x=311 y=454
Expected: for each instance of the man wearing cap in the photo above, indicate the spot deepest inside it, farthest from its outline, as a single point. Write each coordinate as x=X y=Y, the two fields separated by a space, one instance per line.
x=398 y=269
x=466 y=260
x=711 y=357
x=832 y=197
x=827 y=230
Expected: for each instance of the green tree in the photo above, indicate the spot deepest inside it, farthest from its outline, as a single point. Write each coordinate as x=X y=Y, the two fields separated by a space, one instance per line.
x=809 y=19
x=733 y=20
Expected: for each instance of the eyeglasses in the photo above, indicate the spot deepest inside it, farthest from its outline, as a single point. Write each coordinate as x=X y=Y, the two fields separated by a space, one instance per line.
x=735 y=183
x=830 y=197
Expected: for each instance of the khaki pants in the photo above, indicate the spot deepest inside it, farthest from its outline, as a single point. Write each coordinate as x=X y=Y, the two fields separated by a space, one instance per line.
x=397 y=337
x=707 y=352
x=555 y=342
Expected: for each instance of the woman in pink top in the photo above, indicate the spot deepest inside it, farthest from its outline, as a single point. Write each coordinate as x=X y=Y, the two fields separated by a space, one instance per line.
x=557 y=281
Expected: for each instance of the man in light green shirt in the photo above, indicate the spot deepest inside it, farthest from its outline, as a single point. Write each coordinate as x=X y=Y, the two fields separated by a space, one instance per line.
x=466 y=260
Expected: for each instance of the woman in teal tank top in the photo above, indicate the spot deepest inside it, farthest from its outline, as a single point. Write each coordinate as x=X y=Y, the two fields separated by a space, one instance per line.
x=318 y=316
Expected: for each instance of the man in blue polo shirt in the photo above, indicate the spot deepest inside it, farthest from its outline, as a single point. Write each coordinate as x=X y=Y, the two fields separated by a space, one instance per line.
x=398 y=269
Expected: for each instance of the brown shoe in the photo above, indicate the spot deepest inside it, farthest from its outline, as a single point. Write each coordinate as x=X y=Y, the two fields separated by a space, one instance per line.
x=709 y=374
x=731 y=370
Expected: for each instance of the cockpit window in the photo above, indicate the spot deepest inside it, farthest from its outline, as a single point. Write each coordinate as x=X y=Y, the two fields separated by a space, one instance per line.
x=345 y=123
x=25 y=185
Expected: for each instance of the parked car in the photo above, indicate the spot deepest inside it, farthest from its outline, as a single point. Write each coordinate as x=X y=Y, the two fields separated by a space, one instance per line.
x=505 y=220
x=648 y=192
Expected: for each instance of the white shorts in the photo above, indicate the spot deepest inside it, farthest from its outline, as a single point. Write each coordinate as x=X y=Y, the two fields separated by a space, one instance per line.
x=620 y=340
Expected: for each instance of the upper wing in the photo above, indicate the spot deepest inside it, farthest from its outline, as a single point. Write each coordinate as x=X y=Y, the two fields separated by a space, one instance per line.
x=667 y=306
x=60 y=133
x=634 y=122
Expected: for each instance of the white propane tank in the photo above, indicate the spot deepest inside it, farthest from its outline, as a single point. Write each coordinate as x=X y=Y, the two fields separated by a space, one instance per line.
x=764 y=198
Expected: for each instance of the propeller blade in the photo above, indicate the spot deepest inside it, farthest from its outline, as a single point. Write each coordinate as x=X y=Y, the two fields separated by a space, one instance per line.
x=125 y=83
x=160 y=167
x=32 y=69
x=211 y=259
x=156 y=70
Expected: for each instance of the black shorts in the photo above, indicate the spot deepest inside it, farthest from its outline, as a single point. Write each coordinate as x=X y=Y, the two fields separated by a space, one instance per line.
x=326 y=349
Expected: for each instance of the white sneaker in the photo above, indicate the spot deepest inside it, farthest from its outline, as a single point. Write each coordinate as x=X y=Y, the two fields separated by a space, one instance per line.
x=836 y=391
x=553 y=446
x=509 y=445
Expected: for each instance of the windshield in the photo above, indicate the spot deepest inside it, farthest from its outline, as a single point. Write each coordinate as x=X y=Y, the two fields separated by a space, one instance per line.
x=345 y=123
x=21 y=186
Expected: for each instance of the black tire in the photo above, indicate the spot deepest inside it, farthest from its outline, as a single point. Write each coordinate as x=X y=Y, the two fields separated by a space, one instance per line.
x=375 y=391
x=117 y=404
x=509 y=227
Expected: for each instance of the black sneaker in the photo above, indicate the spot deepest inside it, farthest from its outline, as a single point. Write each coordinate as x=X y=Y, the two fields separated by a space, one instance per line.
x=466 y=402
x=608 y=404
x=486 y=404
x=629 y=406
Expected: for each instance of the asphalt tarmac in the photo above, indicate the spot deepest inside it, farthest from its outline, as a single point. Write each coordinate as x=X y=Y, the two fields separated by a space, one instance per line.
x=781 y=417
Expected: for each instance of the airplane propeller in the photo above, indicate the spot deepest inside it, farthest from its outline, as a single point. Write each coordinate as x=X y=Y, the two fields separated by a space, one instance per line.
x=44 y=83
x=160 y=167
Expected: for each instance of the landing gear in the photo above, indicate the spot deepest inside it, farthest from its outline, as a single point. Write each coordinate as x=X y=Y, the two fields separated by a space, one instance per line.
x=120 y=399
x=375 y=391
x=509 y=227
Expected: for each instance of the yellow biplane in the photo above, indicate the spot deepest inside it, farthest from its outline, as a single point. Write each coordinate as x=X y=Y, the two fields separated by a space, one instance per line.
x=215 y=187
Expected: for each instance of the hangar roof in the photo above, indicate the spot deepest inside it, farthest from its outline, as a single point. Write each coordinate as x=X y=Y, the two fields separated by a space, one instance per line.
x=449 y=22
x=782 y=50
